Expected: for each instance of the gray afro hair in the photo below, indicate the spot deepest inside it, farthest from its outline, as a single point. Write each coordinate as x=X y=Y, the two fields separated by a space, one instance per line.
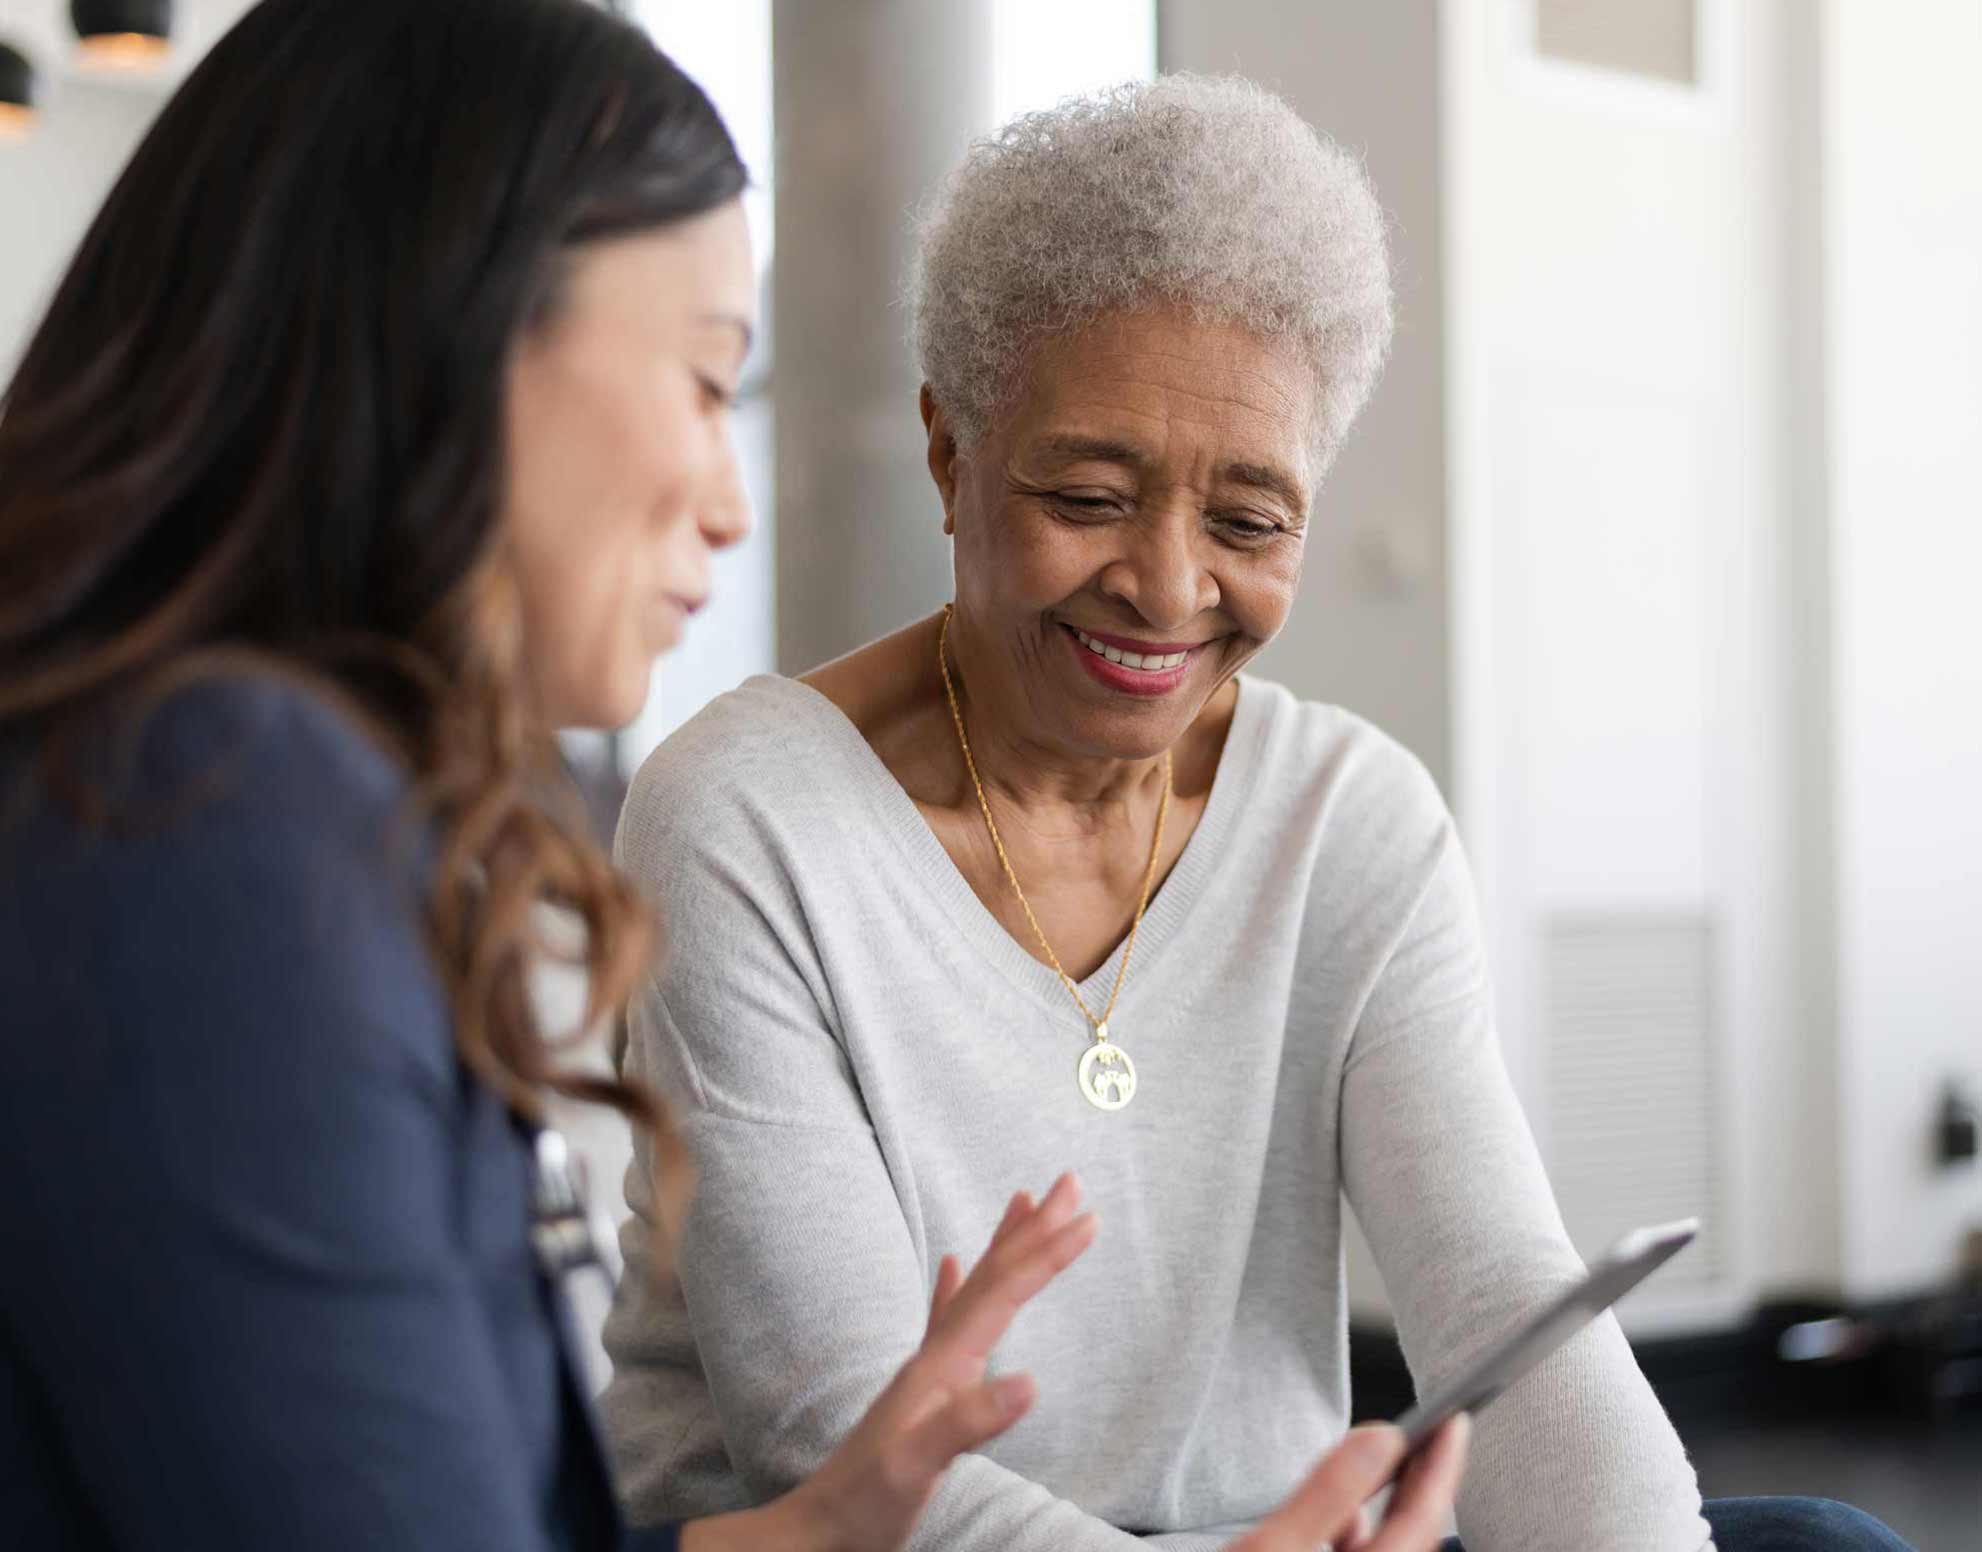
x=1205 y=192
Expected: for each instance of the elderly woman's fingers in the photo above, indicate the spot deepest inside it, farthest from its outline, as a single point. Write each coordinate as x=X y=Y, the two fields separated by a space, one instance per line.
x=1423 y=1500
x=1324 y=1507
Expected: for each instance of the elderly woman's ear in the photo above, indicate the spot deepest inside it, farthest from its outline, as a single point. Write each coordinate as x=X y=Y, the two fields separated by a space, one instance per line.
x=942 y=456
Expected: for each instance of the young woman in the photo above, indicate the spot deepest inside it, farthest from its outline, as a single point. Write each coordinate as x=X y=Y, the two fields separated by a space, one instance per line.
x=377 y=429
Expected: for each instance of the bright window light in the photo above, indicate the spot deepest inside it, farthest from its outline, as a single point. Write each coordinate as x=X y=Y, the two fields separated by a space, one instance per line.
x=727 y=49
x=1043 y=51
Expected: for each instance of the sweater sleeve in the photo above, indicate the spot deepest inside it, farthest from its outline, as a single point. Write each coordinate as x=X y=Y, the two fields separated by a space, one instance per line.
x=1439 y=1164
x=802 y=1284
x=243 y=1280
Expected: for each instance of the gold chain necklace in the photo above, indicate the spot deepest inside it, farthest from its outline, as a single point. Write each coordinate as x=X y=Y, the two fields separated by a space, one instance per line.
x=1107 y=1077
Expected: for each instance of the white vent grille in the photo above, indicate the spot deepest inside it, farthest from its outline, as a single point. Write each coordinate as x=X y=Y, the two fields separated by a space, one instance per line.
x=1629 y=1083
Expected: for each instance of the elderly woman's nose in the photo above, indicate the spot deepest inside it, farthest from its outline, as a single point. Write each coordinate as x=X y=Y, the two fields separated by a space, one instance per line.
x=1164 y=579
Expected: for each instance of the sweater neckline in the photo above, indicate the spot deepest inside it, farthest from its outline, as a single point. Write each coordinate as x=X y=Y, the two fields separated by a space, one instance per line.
x=895 y=812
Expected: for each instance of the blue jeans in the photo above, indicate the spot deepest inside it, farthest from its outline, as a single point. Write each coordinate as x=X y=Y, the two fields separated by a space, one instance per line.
x=1788 y=1525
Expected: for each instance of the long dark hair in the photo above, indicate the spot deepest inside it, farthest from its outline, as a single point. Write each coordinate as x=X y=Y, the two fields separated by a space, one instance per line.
x=263 y=417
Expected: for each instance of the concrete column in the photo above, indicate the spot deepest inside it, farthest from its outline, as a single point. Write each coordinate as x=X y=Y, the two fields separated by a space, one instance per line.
x=875 y=100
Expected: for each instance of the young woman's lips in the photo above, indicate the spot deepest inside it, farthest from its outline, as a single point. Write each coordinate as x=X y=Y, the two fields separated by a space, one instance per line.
x=1146 y=668
x=668 y=617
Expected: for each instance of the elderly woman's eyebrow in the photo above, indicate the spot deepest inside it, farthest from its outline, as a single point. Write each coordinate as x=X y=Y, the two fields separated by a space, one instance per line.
x=1073 y=448
x=1276 y=482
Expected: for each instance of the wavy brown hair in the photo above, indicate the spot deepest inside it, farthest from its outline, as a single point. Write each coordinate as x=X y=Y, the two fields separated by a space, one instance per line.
x=261 y=426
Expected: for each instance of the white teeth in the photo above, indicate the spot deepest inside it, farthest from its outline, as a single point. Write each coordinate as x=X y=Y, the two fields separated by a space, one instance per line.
x=1145 y=662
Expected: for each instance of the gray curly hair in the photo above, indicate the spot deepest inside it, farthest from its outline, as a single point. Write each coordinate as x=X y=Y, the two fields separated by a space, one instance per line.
x=1204 y=191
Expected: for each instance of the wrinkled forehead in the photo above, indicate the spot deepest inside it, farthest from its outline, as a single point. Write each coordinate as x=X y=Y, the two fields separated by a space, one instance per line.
x=1169 y=392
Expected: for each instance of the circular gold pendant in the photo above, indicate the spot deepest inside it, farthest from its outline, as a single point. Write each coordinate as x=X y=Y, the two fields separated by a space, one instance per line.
x=1107 y=1076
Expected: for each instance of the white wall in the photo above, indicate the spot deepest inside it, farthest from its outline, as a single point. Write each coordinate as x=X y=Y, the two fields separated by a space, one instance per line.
x=728 y=52
x=52 y=182
x=1619 y=532
x=50 y=187
x=1903 y=242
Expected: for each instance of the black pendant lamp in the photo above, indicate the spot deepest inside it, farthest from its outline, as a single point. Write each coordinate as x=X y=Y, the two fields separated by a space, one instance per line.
x=18 y=88
x=123 y=34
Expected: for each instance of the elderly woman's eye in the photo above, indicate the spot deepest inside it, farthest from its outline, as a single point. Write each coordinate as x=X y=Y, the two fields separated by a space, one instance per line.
x=1250 y=528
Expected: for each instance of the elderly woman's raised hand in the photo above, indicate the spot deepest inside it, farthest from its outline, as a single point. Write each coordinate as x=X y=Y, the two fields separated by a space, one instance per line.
x=869 y=1494
x=1327 y=1509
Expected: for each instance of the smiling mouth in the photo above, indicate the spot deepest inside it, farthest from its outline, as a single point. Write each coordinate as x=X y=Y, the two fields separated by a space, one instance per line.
x=1138 y=662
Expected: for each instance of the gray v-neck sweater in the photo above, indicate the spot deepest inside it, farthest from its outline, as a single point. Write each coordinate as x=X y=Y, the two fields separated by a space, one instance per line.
x=867 y=1065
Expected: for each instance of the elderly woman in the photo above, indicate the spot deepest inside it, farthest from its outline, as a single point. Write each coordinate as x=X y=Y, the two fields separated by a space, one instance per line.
x=1044 y=880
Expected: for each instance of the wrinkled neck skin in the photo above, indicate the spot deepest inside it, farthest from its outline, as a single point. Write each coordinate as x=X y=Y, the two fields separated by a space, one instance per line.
x=1054 y=793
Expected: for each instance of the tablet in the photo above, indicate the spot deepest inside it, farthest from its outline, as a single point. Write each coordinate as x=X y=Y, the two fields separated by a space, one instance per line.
x=1620 y=1269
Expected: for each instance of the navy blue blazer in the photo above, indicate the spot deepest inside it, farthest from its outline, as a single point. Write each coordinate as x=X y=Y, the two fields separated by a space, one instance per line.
x=265 y=1269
